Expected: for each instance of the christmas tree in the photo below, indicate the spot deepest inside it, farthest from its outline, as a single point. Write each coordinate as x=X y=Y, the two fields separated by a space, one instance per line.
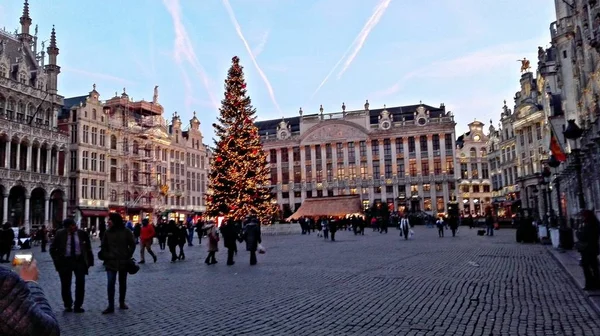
x=239 y=177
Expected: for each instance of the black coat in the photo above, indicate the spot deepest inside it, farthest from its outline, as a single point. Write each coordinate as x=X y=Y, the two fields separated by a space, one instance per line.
x=252 y=236
x=230 y=235
x=59 y=247
x=117 y=248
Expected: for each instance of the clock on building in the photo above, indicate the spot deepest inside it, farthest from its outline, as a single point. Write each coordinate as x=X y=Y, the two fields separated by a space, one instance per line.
x=386 y=125
x=476 y=137
x=422 y=121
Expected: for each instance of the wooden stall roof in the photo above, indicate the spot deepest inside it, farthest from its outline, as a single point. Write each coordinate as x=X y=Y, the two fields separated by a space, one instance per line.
x=328 y=206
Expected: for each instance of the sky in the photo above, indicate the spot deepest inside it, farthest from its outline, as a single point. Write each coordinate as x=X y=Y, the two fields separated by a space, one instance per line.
x=296 y=53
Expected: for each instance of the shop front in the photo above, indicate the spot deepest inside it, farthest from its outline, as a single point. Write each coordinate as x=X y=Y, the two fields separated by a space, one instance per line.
x=88 y=218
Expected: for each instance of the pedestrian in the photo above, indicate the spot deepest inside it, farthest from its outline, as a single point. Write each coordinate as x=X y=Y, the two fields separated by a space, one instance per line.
x=190 y=233
x=404 y=227
x=230 y=236
x=200 y=231
x=101 y=229
x=71 y=252
x=325 y=227
x=137 y=231
x=44 y=237
x=7 y=239
x=213 y=244
x=162 y=232
x=252 y=237
x=173 y=239
x=147 y=234
x=25 y=309
x=333 y=228
x=182 y=239
x=587 y=245
x=116 y=250
x=489 y=223
x=440 y=226
x=453 y=222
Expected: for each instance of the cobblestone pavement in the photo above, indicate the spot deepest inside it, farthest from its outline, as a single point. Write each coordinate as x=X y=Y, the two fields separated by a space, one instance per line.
x=375 y=284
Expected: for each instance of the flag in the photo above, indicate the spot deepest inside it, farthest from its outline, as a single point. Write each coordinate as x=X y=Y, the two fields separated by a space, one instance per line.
x=555 y=147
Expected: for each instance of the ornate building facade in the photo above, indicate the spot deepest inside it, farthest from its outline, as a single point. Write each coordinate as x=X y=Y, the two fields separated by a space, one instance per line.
x=403 y=156
x=473 y=172
x=127 y=159
x=32 y=149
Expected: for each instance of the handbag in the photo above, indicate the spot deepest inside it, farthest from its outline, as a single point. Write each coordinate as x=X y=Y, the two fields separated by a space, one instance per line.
x=132 y=266
x=261 y=249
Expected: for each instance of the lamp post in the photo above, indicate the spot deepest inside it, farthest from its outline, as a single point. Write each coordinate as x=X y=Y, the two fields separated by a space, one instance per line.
x=536 y=212
x=573 y=133
x=554 y=163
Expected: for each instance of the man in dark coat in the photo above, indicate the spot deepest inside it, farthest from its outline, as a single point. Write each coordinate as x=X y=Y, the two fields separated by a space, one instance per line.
x=71 y=251
x=252 y=237
x=230 y=235
x=589 y=248
x=7 y=238
x=24 y=310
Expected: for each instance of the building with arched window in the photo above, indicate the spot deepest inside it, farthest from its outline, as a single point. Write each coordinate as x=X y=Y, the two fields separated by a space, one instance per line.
x=401 y=156
x=32 y=149
x=473 y=174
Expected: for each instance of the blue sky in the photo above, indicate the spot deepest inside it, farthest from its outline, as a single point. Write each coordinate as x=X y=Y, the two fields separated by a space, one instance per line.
x=396 y=52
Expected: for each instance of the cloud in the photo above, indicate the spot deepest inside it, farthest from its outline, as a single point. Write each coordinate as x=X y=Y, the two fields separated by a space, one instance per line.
x=261 y=44
x=364 y=33
x=469 y=65
x=357 y=43
x=238 y=29
x=96 y=75
x=184 y=51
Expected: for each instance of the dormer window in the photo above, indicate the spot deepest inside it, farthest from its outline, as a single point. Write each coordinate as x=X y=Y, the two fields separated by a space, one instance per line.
x=3 y=71
x=23 y=78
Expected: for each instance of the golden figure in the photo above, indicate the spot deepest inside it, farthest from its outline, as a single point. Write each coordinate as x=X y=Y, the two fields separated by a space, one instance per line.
x=524 y=65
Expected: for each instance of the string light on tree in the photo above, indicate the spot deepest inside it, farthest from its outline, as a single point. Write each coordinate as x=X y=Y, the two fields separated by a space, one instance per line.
x=239 y=175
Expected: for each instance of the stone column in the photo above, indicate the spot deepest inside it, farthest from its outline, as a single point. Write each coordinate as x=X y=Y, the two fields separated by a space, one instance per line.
x=55 y=163
x=28 y=161
x=303 y=170
x=291 y=163
x=394 y=156
x=346 y=170
x=47 y=212
x=38 y=163
x=5 y=204
x=382 y=183
x=279 y=178
x=7 y=158
x=26 y=221
x=334 y=166
x=64 y=210
x=48 y=159
x=66 y=163
x=19 y=156
x=313 y=163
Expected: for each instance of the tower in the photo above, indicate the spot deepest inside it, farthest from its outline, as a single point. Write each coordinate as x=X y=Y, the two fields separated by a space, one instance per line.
x=52 y=69
x=25 y=21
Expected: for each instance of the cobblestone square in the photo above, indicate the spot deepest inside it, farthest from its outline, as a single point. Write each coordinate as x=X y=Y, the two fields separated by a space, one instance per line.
x=377 y=284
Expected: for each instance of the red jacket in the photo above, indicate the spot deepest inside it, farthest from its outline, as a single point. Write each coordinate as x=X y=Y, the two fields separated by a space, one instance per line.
x=147 y=233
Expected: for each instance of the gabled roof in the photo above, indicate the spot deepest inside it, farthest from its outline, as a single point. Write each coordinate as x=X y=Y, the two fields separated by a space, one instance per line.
x=74 y=101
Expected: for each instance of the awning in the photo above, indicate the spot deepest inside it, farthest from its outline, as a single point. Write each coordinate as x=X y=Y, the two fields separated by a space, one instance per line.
x=328 y=206
x=94 y=213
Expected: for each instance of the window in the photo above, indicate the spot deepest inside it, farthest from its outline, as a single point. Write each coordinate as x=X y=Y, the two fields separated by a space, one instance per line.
x=125 y=145
x=93 y=189
x=136 y=148
x=94 y=135
x=399 y=146
x=426 y=187
x=339 y=151
x=113 y=142
x=103 y=138
x=411 y=145
x=435 y=142
x=400 y=168
x=328 y=151
x=307 y=153
x=297 y=174
x=329 y=168
x=74 y=139
x=102 y=163
x=318 y=152
x=412 y=167
x=364 y=171
x=319 y=174
x=485 y=174
x=3 y=71
x=388 y=168
x=84 y=161
x=73 y=160
x=473 y=152
x=285 y=157
x=450 y=166
x=84 y=188
x=538 y=131
x=113 y=170
x=529 y=134
x=363 y=148
x=94 y=162
x=376 y=169
x=486 y=188
x=475 y=188
x=423 y=143
x=437 y=167
x=285 y=176
x=296 y=154
x=464 y=171
x=351 y=152
x=101 y=188
x=113 y=195
x=387 y=147
x=474 y=170
x=352 y=170
x=425 y=168
x=465 y=188
x=273 y=156
x=86 y=134
x=340 y=172
x=448 y=141
x=308 y=173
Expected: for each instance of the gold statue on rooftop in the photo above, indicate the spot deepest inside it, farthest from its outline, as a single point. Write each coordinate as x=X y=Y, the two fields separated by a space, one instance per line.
x=525 y=65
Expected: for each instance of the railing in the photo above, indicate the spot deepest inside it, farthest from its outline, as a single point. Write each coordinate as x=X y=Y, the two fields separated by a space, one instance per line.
x=26 y=176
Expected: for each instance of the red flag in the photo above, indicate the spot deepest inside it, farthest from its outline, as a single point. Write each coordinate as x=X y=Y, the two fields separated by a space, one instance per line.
x=555 y=147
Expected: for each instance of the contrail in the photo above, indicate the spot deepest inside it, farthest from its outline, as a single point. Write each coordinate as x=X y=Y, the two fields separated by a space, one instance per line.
x=373 y=20
x=364 y=33
x=238 y=29
x=184 y=50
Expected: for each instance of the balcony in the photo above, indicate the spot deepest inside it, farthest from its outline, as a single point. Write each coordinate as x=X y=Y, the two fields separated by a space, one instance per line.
x=26 y=176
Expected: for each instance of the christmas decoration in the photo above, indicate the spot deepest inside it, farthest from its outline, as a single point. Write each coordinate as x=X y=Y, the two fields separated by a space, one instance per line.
x=239 y=177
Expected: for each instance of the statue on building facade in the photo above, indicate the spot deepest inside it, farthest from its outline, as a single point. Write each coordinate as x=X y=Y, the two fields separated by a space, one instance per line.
x=155 y=97
x=525 y=65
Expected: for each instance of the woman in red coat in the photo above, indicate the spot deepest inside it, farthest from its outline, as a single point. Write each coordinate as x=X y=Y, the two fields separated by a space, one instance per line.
x=146 y=237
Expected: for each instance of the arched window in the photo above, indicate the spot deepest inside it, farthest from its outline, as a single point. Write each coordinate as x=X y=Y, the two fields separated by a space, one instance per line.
x=125 y=145
x=113 y=141
x=94 y=115
x=136 y=147
x=483 y=152
x=113 y=195
x=125 y=170
x=473 y=152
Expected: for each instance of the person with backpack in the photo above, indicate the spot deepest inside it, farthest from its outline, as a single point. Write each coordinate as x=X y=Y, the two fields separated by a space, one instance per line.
x=404 y=227
x=440 y=226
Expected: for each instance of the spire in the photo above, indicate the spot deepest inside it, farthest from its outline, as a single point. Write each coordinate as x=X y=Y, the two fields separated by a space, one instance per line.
x=25 y=21
x=53 y=38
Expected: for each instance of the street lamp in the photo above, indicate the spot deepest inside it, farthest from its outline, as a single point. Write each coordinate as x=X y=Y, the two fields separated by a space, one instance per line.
x=536 y=212
x=544 y=181
x=573 y=133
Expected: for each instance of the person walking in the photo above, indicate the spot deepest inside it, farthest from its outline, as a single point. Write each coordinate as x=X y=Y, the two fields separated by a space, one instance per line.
x=230 y=236
x=404 y=227
x=190 y=232
x=333 y=228
x=588 y=246
x=147 y=234
x=162 y=232
x=253 y=238
x=25 y=309
x=7 y=239
x=172 y=239
x=213 y=244
x=116 y=250
x=200 y=230
x=440 y=226
x=71 y=252
x=182 y=236
x=453 y=223
x=43 y=237
x=325 y=227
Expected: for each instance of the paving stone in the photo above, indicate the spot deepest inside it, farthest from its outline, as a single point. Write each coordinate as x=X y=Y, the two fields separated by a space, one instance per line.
x=377 y=284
